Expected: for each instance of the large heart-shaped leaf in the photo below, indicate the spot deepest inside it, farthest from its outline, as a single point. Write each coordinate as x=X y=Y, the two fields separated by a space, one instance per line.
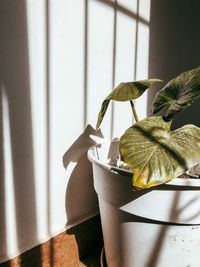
x=179 y=93
x=158 y=154
x=124 y=92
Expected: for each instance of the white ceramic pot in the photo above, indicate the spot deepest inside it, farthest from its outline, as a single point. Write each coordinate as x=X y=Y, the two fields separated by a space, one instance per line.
x=148 y=228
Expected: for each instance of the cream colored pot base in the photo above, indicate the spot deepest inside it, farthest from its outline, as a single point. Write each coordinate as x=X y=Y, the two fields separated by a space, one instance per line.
x=147 y=228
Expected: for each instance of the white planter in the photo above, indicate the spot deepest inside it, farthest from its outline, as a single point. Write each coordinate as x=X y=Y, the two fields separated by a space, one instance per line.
x=148 y=228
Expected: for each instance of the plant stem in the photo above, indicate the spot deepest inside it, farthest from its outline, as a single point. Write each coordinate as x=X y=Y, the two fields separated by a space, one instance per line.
x=134 y=111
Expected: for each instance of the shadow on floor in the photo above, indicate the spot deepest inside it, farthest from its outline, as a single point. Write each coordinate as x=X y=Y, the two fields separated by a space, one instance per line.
x=89 y=239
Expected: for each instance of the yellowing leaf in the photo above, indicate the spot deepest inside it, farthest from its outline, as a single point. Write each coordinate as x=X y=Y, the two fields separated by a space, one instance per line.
x=158 y=154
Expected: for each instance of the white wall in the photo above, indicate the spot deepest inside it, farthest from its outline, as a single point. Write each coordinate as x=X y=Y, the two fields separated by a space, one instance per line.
x=56 y=68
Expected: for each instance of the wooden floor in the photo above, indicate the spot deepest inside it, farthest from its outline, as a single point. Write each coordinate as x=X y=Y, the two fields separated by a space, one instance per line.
x=79 y=246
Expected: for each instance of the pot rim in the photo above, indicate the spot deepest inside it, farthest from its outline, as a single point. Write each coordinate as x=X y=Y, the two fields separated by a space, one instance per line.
x=191 y=182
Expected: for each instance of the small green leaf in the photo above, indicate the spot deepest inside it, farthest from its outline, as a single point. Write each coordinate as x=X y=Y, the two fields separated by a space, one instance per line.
x=158 y=154
x=179 y=93
x=124 y=92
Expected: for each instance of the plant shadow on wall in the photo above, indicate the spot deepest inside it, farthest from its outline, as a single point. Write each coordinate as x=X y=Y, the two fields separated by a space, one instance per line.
x=16 y=141
x=81 y=200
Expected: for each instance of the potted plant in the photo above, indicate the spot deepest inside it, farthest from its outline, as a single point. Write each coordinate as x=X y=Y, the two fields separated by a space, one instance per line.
x=149 y=216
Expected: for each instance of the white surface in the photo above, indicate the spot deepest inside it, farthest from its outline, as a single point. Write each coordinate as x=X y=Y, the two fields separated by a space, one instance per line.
x=33 y=205
x=141 y=228
x=133 y=244
x=125 y=56
x=66 y=96
x=167 y=203
x=159 y=245
x=41 y=200
x=100 y=56
x=8 y=186
x=168 y=206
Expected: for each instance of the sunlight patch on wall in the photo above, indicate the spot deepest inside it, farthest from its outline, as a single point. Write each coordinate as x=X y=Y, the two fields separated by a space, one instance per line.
x=36 y=40
x=9 y=185
x=100 y=47
x=131 y=58
x=70 y=168
x=144 y=9
x=125 y=58
x=142 y=67
x=66 y=95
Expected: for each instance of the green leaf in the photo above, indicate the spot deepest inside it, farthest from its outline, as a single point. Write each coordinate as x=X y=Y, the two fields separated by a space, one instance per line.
x=158 y=154
x=124 y=92
x=179 y=93
x=102 y=112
